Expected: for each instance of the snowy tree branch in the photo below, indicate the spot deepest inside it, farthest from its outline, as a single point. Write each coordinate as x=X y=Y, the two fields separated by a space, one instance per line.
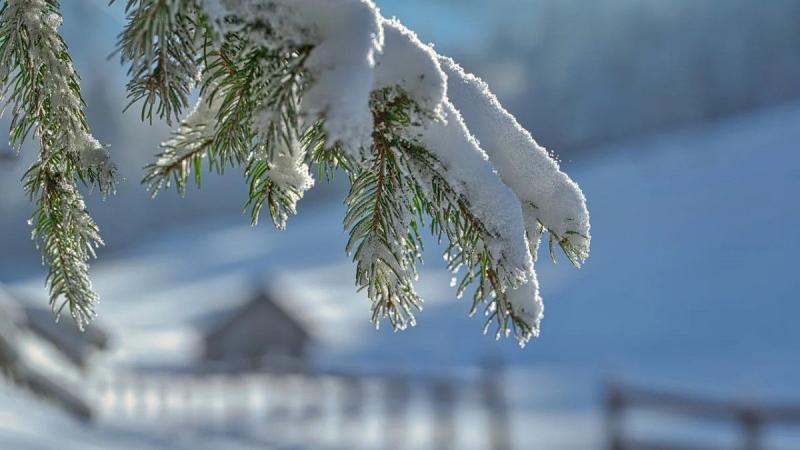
x=41 y=86
x=286 y=84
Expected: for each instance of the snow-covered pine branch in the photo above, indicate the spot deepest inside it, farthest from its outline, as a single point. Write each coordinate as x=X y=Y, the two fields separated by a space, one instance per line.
x=40 y=85
x=287 y=84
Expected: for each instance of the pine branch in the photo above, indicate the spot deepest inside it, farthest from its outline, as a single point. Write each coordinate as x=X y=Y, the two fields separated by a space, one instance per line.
x=450 y=217
x=575 y=253
x=249 y=114
x=67 y=237
x=381 y=216
x=40 y=83
x=429 y=194
x=255 y=64
x=277 y=169
x=221 y=129
x=218 y=130
x=160 y=44
x=262 y=190
x=182 y=154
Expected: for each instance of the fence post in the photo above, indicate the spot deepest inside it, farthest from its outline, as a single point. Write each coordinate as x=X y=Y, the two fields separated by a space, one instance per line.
x=444 y=432
x=352 y=412
x=496 y=406
x=396 y=399
x=752 y=429
x=614 y=403
x=186 y=401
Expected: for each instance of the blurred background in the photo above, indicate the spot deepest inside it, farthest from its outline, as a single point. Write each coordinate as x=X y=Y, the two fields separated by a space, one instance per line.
x=680 y=119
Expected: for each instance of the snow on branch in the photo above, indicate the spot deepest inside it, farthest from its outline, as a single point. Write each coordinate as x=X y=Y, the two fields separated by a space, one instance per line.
x=553 y=200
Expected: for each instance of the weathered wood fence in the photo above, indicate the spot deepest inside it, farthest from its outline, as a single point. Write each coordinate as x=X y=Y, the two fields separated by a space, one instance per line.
x=303 y=409
x=752 y=421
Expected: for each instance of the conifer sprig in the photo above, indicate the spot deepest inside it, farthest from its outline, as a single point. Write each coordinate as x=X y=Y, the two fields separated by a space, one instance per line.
x=381 y=216
x=39 y=82
x=401 y=188
x=67 y=237
x=249 y=114
x=181 y=158
x=450 y=217
x=160 y=44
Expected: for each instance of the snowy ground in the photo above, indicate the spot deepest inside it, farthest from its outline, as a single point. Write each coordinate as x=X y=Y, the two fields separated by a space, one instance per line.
x=691 y=284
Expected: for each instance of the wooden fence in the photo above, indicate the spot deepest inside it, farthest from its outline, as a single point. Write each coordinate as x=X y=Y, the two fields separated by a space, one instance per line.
x=751 y=420
x=304 y=409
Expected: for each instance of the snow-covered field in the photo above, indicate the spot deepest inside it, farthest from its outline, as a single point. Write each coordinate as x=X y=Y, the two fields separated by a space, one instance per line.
x=691 y=284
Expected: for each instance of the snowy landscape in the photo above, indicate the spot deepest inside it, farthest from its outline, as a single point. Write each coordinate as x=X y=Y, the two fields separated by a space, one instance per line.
x=690 y=286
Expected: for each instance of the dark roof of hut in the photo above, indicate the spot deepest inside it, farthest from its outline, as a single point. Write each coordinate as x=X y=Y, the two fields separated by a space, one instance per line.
x=220 y=323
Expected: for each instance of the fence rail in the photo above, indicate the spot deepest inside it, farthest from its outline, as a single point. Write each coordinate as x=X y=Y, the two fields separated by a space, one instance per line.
x=312 y=409
x=751 y=419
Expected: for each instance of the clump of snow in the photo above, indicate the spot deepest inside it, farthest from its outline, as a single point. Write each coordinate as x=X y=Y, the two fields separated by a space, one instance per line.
x=345 y=36
x=527 y=305
x=349 y=33
x=195 y=130
x=93 y=155
x=289 y=170
x=471 y=175
x=547 y=194
x=408 y=63
x=205 y=111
